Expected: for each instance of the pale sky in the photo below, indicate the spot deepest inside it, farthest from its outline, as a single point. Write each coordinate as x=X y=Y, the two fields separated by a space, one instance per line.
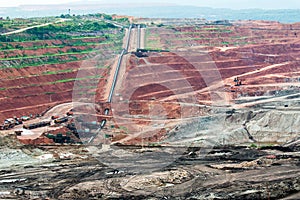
x=235 y=4
x=11 y=3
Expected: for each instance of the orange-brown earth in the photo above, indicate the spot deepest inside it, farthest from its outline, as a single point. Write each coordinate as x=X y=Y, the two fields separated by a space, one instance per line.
x=199 y=69
x=34 y=89
x=264 y=55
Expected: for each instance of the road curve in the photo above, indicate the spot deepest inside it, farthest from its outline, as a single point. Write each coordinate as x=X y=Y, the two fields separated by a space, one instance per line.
x=36 y=26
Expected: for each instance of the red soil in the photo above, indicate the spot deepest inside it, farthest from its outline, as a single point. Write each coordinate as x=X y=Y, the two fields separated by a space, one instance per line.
x=40 y=140
x=265 y=56
x=30 y=91
x=168 y=78
x=51 y=42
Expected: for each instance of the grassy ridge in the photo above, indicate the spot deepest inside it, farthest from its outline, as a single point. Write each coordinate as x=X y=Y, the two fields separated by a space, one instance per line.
x=95 y=77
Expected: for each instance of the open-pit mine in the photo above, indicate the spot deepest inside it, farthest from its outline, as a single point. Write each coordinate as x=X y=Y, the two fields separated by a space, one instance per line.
x=117 y=107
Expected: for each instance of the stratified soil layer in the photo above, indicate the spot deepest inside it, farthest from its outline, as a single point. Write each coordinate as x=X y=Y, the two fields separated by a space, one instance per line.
x=32 y=90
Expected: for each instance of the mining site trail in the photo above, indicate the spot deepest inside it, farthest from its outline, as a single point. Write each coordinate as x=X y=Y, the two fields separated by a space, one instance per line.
x=142 y=39
x=285 y=98
x=218 y=86
x=133 y=40
x=31 y=27
x=259 y=70
x=26 y=107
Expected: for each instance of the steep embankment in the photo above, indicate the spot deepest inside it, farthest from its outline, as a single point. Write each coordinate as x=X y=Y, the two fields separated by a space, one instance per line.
x=240 y=127
x=38 y=67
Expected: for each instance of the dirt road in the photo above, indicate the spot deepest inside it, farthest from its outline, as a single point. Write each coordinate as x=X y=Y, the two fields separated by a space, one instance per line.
x=36 y=26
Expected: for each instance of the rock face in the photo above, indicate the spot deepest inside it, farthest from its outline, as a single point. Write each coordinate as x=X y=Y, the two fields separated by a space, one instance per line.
x=274 y=126
x=293 y=144
x=9 y=140
x=261 y=126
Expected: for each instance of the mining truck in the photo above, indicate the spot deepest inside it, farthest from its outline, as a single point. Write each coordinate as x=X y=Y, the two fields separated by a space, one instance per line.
x=37 y=125
x=54 y=117
x=61 y=120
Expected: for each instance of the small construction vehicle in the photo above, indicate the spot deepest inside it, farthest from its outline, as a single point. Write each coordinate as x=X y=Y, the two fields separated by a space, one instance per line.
x=237 y=81
x=10 y=123
x=25 y=118
x=70 y=113
x=54 y=117
x=61 y=120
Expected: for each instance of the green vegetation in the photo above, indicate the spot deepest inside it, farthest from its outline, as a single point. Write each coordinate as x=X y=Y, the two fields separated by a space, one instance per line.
x=154 y=145
x=122 y=20
x=88 y=87
x=75 y=42
x=100 y=16
x=76 y=79
x=49 y=93
x=253 y=145
x=8 y=24
x=58 y=72
x=34 y=63
x=4 y=38
x=192 y=38
x=152 y=40
x=69 y=26
x=266 y=145
x=91 y=93
x=49 y=54
x=57 y=29
x=125 y=129
x=203 y=33
x=88 y=45
x=93 y=79
x=213 y=28
x=48 y=58
x=74 y=39
x=155 y=49
x=102 y=67
x=64 y=80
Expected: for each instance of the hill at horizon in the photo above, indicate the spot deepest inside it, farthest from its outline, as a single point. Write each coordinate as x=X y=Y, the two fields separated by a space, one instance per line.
x=153 y=10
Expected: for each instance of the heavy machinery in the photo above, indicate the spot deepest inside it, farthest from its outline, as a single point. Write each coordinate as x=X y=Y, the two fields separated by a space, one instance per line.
x=70 y=113
x=10 y=123
x=54 y=117
x=61 y=120
x=37 y=125
x=237 y=81
x=6 y=126
x=25 y=118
